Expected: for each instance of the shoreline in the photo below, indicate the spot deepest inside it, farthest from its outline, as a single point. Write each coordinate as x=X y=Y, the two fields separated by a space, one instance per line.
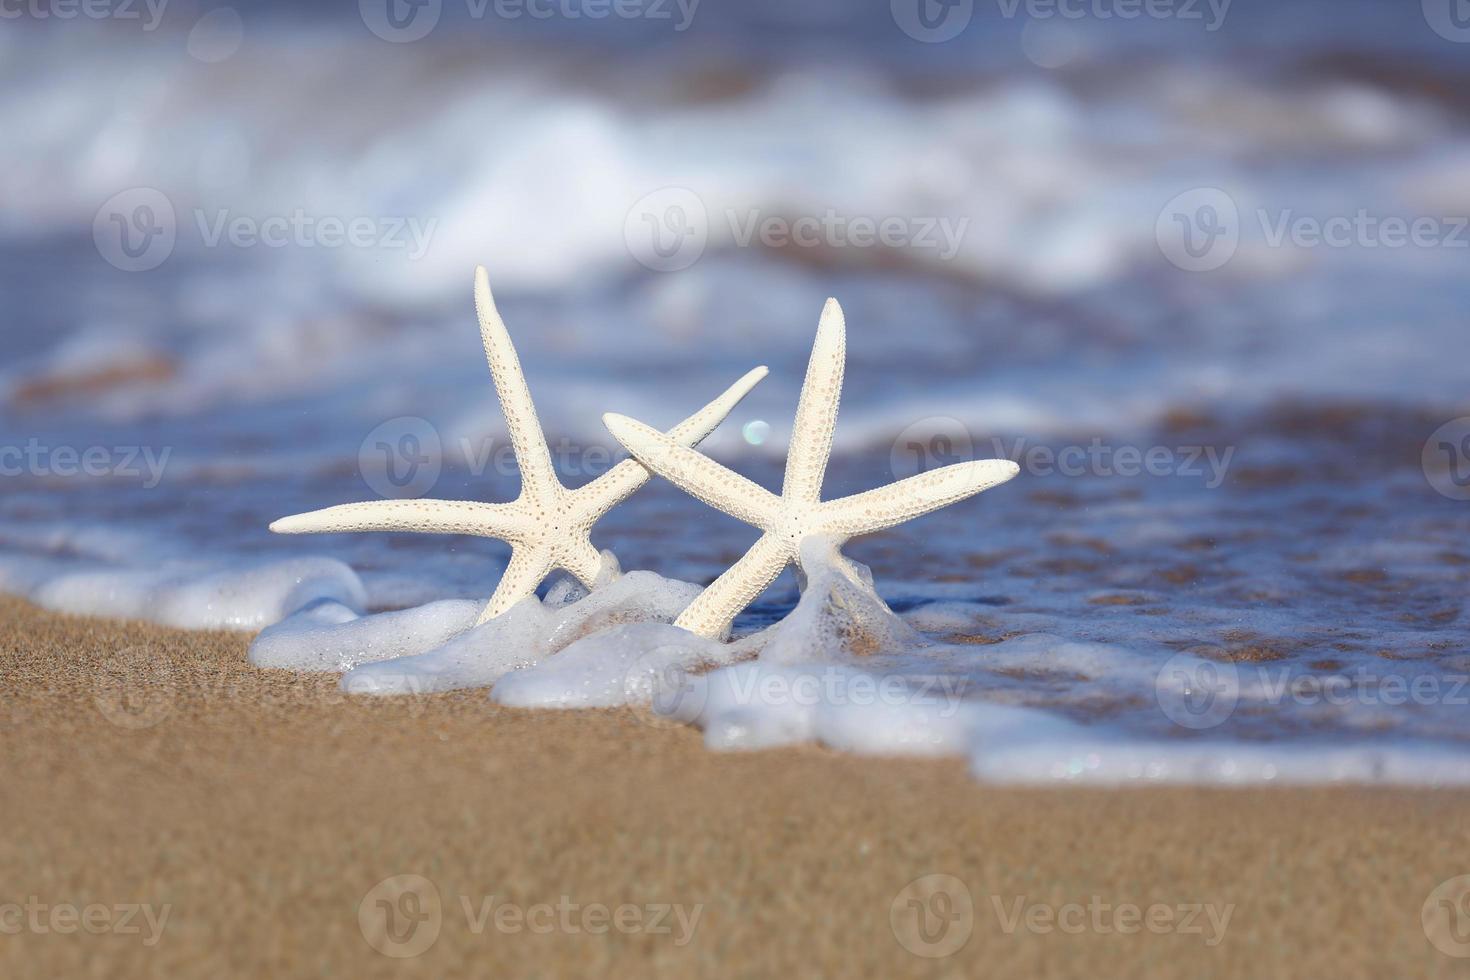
x=154 y=766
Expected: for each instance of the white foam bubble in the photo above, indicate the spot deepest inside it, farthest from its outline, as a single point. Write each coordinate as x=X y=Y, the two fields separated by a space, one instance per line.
x=328 y=636
x=529 y=633
x=1083 y=757
x=190 y=597
x=841 y=670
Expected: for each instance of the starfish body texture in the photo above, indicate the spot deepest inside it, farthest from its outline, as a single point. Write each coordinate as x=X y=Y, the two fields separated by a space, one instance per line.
x=798 y=513
x=547 y=526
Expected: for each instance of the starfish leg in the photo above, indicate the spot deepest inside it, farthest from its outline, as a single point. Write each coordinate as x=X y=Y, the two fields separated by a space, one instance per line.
x=863 y=513
x=691 y=431
x=816 y=412
x=584 y=561
x=695 y=473
x=526 y=438
x=433 y=516
x=614 y=486
x=526 y=569
x=712 y=611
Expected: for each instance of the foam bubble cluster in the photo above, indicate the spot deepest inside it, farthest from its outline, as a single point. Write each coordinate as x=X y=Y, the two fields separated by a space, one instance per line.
x=842 y=670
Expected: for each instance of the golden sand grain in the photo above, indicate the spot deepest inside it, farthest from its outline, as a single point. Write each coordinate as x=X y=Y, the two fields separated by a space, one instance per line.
x=145 y=765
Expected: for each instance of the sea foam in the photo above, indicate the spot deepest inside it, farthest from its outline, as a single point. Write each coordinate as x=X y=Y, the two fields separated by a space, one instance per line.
x=843 y=670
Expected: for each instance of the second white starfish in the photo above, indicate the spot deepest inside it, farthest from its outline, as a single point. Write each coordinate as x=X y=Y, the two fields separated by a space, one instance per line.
x=547 y=526
x=798 y=513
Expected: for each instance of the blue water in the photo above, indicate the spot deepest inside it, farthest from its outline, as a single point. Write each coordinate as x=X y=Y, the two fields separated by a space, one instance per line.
x=1313 y=373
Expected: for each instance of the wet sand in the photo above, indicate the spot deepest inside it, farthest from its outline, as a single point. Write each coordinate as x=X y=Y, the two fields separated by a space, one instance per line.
x=145 y=765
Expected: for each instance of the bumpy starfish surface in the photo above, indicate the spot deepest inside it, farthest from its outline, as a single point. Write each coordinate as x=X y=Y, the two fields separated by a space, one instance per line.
x=799 y=512
x=547 y=526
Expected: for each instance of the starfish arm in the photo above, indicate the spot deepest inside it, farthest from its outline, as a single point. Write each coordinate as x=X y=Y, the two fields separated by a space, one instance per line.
x=429 y=516
x=695 y=473
x=526 y=569
x=584 y=562
x=526 y=438
x=614 y=486
x=714 y=609
x=816 y=412
x=863 y=513
x=691 y=431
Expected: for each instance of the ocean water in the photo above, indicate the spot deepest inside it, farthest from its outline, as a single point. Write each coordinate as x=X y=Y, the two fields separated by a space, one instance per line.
x=1236 y=550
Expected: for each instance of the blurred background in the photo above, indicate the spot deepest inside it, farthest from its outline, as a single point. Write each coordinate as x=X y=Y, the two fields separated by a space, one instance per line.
x=1199 y=266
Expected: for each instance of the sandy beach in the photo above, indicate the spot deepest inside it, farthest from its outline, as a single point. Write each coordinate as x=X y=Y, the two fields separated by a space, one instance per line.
x=255 y=813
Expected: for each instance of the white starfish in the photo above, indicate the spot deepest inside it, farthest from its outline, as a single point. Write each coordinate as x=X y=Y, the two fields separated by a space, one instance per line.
x=799 y=512
x=547 y=526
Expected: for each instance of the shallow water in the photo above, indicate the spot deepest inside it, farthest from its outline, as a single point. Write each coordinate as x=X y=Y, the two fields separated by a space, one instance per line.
x=1225 y=467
